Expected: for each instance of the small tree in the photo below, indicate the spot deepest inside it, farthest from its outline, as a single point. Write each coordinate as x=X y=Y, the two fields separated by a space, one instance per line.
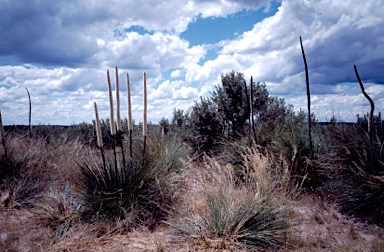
x=207 y=125
x=164 y=124
x=179 y=119
x=232 y=102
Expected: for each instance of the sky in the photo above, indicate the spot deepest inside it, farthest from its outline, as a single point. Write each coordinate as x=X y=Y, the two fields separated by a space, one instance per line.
x=60 y=51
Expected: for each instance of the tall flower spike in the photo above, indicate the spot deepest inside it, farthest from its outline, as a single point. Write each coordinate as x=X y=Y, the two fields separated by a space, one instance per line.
x=118 y=119
x=98 y=128
x=130 y=124
x=145 y=106
x=111 y=117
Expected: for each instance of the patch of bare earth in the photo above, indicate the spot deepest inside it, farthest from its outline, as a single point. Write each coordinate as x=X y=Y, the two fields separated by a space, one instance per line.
x=320 y=227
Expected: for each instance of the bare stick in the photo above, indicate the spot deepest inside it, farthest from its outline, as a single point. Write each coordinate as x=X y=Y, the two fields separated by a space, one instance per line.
x=3 y=136
x=309 y=100
x=30 y=114
x=370 y=124
x=145 y=130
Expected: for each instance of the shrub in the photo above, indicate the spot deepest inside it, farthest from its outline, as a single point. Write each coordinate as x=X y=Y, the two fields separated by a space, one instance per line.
x=355 y=170
x=291 y=147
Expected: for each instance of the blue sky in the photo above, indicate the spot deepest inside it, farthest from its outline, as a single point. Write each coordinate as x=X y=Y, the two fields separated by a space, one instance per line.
x=60 y=50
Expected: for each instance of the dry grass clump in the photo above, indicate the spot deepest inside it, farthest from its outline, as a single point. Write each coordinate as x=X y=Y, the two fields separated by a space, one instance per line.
x=23 y=172
x=20 y=232
x=250 y=211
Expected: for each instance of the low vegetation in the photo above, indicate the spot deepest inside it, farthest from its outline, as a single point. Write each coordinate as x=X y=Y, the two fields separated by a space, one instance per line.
x=235 y=172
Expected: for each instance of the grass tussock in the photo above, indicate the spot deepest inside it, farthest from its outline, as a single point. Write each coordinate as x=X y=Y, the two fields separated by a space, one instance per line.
x=248 y=211
x=59 y=210
x=138 y=194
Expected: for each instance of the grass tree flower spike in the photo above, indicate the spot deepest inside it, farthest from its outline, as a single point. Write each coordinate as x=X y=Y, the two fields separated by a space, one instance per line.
x=118 y=118
x=111 y=117
x=130 y=125
x=98 y=128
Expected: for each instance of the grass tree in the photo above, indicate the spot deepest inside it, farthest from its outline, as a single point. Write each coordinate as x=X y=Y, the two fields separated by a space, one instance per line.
x=137 y=193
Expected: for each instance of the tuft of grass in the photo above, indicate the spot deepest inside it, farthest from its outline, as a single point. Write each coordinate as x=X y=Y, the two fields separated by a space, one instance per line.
x=250 y=212
x=59 y=209
x=138 y=194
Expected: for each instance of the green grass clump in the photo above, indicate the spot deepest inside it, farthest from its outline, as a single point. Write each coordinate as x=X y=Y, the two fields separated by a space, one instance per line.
x=253 y=212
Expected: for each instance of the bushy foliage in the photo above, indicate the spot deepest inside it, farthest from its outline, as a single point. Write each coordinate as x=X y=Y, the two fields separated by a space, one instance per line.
x=206 y=126
x=232 y=100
